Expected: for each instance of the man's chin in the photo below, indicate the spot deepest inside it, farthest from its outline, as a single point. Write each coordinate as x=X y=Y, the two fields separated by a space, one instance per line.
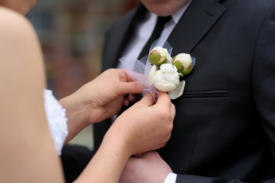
x=161 y=9
x=162 y=13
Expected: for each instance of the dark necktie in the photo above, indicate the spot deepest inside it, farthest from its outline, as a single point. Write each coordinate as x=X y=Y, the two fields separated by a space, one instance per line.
x=155 y=35
x=161 y=21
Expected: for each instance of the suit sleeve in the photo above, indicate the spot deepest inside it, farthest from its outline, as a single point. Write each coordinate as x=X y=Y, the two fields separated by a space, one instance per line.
x=263 y=80
x=201 y=179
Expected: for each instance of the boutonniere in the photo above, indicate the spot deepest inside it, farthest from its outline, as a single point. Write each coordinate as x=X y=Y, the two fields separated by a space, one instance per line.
x=167 y=73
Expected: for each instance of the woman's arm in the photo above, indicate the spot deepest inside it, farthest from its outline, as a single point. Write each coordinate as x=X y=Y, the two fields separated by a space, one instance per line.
x=142 y=128
x=27 y=151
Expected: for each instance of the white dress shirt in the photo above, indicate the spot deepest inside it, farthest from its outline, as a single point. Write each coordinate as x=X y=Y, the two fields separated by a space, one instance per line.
x=142 y=35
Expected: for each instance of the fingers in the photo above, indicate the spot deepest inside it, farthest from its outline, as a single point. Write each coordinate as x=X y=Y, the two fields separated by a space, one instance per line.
x=128 y=99
x=127 y=85
x=147 y=100
x=127 y=76
x=126 y=103
x=122 y=75
x=151 y=154
x=133 y=87
x=173 y=111
x=163 y=100
x=131 y=97
x=164 y=103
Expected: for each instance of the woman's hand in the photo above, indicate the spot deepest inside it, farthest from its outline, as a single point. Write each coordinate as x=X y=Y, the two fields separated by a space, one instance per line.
x=104 y=96
x=145 y=126
x=99 y=99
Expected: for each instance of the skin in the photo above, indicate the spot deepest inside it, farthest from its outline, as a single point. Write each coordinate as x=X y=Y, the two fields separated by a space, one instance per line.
x=131 y=136
x=28 y=153
x=164 y=7
x=148 y=168
x=99 y=99
x=20 y=6
x=23 y=120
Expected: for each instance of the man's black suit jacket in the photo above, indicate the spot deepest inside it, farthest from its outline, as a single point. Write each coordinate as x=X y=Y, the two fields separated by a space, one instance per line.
x=224 y=130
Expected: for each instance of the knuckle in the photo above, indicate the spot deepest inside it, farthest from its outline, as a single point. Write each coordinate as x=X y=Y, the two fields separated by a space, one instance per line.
x=135 y=85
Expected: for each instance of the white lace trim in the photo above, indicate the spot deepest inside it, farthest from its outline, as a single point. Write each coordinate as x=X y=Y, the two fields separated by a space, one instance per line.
x=57 y=120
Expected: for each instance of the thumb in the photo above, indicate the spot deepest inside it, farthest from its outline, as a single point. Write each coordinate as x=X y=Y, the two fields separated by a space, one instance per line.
x=150 y=155
x=163 y=100
x=147 y=100
x=173 y=111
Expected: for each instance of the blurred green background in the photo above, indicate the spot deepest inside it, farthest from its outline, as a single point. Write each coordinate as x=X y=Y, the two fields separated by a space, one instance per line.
x=71 y=33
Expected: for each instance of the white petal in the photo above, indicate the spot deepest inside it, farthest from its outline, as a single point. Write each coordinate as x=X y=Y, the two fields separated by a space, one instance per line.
x=166 y=79
x=172 y=78
x=165 y=86
x=158 y=76
x=152 y=74
x=166 y=67
x=176 y=93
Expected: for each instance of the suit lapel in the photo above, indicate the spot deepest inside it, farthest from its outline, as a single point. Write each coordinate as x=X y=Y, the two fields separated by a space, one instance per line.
x=123 y=32
x=195 y=23
x=114 y=43
x=192 y=27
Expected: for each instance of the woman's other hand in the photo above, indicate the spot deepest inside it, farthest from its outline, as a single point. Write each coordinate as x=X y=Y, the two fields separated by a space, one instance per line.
x=145 y=126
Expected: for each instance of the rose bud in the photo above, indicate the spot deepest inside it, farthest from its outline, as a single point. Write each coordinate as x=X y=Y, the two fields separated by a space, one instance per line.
x=166 y=78
x=158 y=56
x=184 y=63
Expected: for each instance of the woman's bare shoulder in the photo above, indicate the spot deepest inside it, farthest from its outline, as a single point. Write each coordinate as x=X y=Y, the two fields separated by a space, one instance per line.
x=16 y=31
x=20 y=52
x=12 y=23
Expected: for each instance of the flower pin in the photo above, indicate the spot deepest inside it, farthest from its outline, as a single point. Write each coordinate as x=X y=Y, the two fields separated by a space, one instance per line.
x=166 y=71
x=164 y=79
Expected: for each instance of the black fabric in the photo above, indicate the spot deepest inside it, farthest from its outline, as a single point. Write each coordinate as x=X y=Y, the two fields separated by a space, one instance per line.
x=224 y=130
x=74 y=160
x=161 y=21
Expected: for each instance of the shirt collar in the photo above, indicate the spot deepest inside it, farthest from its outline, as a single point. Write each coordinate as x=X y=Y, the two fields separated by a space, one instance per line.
x=177 y=15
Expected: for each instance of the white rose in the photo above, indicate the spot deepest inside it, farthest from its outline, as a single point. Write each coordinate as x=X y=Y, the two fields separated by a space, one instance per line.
x=165 y=79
